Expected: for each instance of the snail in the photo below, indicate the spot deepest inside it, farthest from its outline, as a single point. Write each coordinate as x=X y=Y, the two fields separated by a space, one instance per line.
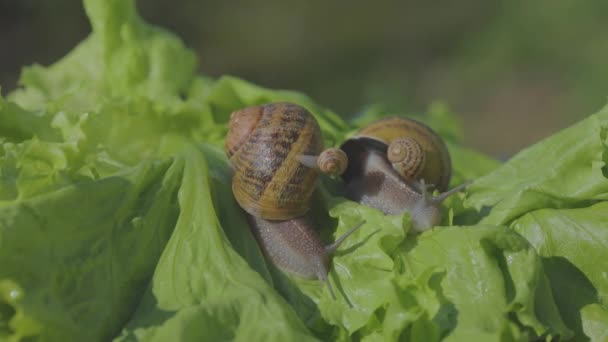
x=414 y=150
x=392 y=163
x=276 y=152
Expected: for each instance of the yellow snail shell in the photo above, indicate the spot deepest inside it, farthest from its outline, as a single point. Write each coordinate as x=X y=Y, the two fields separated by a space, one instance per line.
x=435 y=164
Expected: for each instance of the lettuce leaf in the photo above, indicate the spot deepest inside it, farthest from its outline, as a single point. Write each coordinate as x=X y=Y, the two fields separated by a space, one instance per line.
x=566 y=170
x=487 y=281
x=572 y=243
x=116 y=221
x=123 y=55
x=553 y=194
x=202 y=288
x=69 y=268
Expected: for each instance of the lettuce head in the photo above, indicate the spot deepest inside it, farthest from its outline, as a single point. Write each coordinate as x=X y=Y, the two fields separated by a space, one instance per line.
x=117 y=223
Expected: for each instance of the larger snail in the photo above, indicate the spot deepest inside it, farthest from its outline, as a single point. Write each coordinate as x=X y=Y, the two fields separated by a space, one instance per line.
x=276 y=152
x=391 y=163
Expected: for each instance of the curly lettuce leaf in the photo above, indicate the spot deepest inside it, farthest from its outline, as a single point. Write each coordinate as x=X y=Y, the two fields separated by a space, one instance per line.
x=488 y=284
x=115 y=218
x=566 y=170
x=229 y=94
x=123 y=55
x=203 y=287
x=573 y=244
x=68 y=255
x=595 y=321
x=362 y=269
x=554 y=195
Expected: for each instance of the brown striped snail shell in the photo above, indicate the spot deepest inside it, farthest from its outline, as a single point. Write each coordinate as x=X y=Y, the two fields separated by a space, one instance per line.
x=276 y=154
x=263 y=144
x=414 y=149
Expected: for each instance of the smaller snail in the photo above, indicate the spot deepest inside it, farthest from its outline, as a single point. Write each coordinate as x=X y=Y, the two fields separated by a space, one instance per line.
x=331 y=161
x=276 y=154
x=390 y=163
x=414 y=150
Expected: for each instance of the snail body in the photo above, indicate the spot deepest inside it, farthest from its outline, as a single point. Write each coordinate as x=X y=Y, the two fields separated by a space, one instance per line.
x=276 y=152
x=294 y=246
x=373 y=179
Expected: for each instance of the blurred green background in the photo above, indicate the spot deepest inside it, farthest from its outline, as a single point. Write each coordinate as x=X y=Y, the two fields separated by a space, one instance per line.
x=514 y=71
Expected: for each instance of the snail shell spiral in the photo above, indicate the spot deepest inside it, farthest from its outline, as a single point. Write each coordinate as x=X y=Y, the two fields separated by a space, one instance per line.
x=407 y=157
x=332 y=161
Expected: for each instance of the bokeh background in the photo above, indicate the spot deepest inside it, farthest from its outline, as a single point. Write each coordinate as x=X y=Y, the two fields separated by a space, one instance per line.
x=514 y=71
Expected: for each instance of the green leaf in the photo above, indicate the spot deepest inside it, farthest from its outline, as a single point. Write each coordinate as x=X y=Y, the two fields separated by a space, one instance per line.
x=565 y=170
x=595 y=322
x=202 y=288
x=117 y=220
x=123 y=55
x=78 y=257
x=229 y=94
x=362 y=269
x=486 y=282
x=572 y=243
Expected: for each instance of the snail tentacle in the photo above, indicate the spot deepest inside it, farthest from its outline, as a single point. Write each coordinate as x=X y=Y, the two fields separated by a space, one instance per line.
x=330 y=249
x=322 y=275
x=308 y=160
x=442 y=196
x=424 y=191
